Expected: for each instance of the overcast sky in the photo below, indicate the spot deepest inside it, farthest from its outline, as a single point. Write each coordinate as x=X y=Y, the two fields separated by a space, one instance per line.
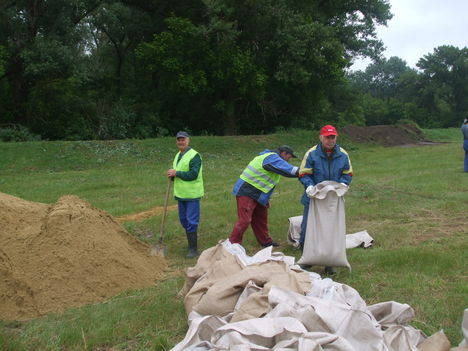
x=419 y=26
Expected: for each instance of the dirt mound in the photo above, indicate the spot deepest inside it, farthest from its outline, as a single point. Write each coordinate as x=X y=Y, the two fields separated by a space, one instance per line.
x=53 y=257
x=387 y=135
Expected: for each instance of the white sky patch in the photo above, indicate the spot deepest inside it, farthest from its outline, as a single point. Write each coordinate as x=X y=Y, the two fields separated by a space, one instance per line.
x=419 y=26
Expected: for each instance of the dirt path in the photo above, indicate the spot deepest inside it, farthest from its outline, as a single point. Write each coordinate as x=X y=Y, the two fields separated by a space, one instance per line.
x=141 y=216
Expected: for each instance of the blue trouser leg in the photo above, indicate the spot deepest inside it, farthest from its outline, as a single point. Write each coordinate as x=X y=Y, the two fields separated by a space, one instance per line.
x=305 y=216
x=189 y=215
x=465 y=146
x=182 y=206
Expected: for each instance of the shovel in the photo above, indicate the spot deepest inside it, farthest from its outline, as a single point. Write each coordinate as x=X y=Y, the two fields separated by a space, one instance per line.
x=160 y=249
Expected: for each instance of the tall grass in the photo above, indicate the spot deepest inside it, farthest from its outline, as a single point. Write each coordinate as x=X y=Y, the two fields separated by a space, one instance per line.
x=412 y=200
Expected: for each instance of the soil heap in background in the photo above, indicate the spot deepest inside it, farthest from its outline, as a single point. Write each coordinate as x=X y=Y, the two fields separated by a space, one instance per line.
x=53 y=257
x=387 y=135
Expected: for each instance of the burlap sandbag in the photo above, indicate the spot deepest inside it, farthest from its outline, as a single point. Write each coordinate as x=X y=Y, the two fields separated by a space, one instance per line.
x=325 y=241
x=221 y=297
x=436 y=342
x=213 y=264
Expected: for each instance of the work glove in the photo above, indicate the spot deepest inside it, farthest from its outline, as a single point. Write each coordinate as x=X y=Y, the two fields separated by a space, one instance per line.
x=310 y=190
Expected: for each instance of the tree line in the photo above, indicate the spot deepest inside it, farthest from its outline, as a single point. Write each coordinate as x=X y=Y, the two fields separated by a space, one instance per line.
x=110 y=69
x=435 y=95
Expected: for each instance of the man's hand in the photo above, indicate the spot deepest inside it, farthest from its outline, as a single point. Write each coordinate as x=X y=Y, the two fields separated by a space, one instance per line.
x=309 y=190
x=171 y=173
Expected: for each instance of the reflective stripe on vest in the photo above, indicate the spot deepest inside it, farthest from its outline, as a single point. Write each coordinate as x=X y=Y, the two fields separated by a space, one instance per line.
x=258 y=177
x=191 y=189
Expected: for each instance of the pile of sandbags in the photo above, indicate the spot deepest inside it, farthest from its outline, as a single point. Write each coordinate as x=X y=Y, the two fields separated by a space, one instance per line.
x=266 y=302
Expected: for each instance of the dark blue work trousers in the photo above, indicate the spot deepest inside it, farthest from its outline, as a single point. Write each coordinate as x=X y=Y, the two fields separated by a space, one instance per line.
x=465 y=146
x=189 y=214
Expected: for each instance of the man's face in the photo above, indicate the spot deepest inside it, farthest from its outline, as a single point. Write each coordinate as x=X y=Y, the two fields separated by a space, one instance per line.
x=286 y=156
x=183 y=143
x=328 y=142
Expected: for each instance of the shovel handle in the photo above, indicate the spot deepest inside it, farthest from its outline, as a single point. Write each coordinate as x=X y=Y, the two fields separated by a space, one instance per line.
x=166 y=200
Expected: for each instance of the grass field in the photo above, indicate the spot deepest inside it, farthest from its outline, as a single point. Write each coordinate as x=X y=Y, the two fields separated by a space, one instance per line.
x=412 y=200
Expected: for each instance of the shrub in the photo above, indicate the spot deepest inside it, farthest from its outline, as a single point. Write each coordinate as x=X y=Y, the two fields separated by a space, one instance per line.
x=17 y=132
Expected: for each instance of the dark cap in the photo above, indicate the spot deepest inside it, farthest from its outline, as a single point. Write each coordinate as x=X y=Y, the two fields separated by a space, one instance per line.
x=287 y=149
x=182 y=134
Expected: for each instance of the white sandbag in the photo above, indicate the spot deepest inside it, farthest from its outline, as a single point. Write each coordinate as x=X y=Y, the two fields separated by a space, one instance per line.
x=325 y=241
x=358 y=239
x=294 y=230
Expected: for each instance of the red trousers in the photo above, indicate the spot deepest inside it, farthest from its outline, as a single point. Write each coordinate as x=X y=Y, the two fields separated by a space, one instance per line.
x=250 y=212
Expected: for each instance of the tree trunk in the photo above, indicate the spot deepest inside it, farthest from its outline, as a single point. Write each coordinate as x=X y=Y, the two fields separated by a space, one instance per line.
x=230 y=123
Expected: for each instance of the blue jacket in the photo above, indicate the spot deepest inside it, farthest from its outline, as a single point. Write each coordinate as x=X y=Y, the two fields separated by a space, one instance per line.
x=464 y=129
x=273 y=163
x=316 y=167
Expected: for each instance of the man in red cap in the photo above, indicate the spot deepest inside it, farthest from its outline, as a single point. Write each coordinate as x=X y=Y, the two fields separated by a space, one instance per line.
x=325 y=161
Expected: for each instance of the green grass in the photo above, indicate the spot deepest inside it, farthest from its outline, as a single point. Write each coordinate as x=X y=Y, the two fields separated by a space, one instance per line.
x=444 y=135
x=412 y=201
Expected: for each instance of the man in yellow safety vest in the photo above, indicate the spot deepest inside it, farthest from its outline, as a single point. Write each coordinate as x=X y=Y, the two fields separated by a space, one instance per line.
x=253 y=190
x=187 y=172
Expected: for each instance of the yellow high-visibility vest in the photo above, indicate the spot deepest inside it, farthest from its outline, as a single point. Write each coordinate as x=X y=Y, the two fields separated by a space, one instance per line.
x=192 y=189
x=258 y=177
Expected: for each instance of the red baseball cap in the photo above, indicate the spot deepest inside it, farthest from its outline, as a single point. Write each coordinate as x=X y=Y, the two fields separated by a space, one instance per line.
x=328 y=130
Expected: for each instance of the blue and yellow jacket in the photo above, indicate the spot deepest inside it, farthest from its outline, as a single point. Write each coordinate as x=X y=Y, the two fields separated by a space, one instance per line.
x=317 y=167
x=272 y=163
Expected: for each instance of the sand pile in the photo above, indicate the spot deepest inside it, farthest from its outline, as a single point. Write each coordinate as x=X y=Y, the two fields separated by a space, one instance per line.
x=53 y=257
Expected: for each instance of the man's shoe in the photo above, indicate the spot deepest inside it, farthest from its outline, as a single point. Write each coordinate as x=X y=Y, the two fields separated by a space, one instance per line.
x=272 y=243
x=191 y=253
x=330 y=270
x=192 y=245
x=305 y=266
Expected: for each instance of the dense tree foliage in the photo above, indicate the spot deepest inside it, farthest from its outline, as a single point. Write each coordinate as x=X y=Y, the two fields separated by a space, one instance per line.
x=444 y=85
x=131 y=68
x=436 y=95
x=83 y=69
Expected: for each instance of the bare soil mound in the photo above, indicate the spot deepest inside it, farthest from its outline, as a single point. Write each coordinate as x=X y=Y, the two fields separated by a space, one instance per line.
x=68 y=254
x=387 y=135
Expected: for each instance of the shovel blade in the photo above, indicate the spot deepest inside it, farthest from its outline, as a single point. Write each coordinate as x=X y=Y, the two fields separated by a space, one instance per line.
x=158 y=250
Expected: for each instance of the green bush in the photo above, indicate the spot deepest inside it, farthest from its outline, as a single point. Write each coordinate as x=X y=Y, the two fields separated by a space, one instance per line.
x=16 y=132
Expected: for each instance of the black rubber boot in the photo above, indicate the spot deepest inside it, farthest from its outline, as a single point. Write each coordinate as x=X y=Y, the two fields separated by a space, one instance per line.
x=192 y=245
